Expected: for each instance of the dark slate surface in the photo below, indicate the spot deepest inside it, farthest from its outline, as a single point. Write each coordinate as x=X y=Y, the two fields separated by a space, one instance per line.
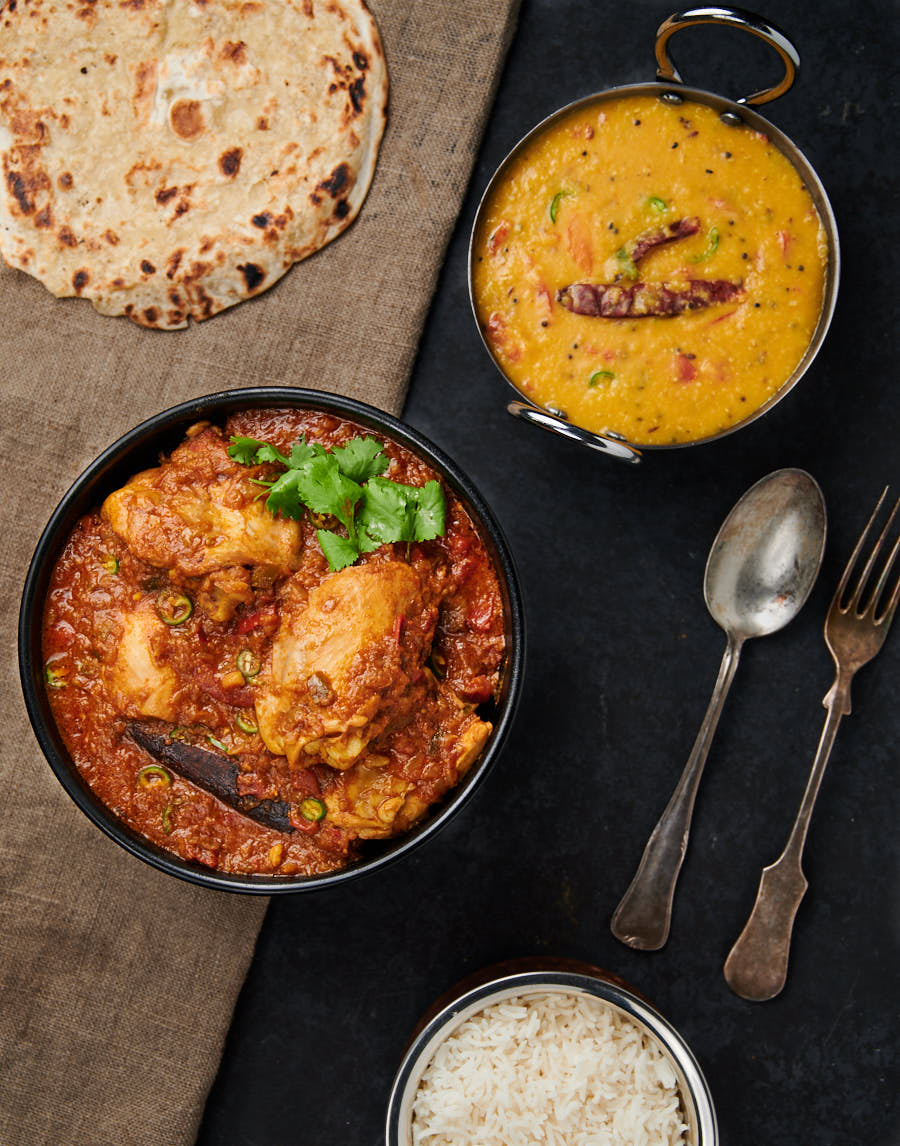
x=622 y=657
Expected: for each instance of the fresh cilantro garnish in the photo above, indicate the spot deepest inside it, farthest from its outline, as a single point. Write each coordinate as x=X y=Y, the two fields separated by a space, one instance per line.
x=431 y=512
x=244 y=450
x=395 y=512
x=339 y=551
x=361 y=458
x=346 y=483
x=322 y=487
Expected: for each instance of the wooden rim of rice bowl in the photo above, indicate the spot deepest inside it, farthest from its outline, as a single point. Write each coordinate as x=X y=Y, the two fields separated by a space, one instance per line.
x=545 y=1051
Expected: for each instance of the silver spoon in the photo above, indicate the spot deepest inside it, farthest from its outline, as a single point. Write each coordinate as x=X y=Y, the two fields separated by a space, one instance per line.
x=760 y=570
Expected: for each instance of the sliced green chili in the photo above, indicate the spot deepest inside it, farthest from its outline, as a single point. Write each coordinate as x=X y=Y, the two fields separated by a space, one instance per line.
x=554 y=204
x=110 y=564
x=657 y=204
x=218 y=744
x=167 y=819
x=245 y=724
x=312 y=809
x=711 y=248
x=248 y=663
x=153 y=776
x=55 y=678
x=173 y=608
x=600 y=376
x=626 y=263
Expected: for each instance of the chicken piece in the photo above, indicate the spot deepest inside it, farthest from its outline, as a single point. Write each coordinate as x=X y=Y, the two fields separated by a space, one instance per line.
x=140 y=683
x=469 y=745
x=373 y=802
x=367 y=801
x=342 y=662
x=197 y=512
x=220 y=593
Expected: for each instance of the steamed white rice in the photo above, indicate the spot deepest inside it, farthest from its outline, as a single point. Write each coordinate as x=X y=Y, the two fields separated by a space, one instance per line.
x=548 y=1069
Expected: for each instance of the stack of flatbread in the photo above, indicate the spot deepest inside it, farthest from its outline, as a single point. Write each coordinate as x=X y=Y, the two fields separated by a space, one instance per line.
x=168 y=158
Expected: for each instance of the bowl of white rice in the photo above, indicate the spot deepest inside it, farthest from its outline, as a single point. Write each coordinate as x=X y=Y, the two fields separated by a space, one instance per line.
x=550 y=1053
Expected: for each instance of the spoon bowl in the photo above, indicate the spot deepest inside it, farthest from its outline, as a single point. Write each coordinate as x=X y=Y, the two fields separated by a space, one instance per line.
x=765 y=557
x=760 y=570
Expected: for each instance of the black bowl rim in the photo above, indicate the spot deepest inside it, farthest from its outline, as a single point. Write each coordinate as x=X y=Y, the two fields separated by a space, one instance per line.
x=171 y=423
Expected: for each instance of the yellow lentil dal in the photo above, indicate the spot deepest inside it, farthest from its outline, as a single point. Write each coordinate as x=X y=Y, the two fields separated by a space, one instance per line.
x=567 y=210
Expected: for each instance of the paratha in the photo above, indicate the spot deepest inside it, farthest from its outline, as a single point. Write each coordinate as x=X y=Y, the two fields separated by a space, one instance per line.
x=169 y=158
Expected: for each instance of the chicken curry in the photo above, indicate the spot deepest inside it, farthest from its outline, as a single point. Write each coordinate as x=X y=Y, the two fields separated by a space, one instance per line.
x=187 y=626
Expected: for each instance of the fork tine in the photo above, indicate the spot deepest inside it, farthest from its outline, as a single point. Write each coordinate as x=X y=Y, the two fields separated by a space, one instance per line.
x=872 y=599
x=887 y=613
x=857 y=549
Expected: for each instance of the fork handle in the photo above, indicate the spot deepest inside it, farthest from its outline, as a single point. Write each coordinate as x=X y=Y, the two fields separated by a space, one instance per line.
x=756 y=967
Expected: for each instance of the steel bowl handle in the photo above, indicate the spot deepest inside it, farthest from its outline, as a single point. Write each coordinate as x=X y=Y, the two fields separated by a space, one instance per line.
x=732 y=18
x=612 y=444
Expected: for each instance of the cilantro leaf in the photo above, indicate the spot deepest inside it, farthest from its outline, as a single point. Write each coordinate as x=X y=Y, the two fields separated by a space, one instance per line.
x=391 y=511
x=325 y=489
x=339 y=551
x=244 y=450
x=361 y=459
x=269 y=453
x=301 y=452
x=365 y=543
x=386 y=513
x=284 y=496
x=252 y=452
x=431 y=511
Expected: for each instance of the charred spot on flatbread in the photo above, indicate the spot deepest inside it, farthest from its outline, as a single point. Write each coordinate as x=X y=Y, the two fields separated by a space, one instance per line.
x=80 y=280
x=357 y=93
x=186 y=118
x=253 y=275
x=336 y=181
x=19 y=190
x=174 y=263
x=230 y=161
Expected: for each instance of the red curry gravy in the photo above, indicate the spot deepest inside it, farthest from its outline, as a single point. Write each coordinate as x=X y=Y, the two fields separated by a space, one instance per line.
x=412 y=687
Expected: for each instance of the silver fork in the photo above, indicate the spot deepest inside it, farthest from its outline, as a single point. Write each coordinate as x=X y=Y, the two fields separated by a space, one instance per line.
x=855 y=629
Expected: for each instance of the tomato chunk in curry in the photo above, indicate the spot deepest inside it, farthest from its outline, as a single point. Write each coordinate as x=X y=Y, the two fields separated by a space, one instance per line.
x=351 y=698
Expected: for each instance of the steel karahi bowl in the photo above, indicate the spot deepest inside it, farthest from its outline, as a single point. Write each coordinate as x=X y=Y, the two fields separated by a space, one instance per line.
x=139 y=449
x=538 y=975
x=734 y=113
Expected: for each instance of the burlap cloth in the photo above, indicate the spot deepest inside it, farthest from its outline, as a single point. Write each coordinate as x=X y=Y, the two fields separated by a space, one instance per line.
x=118 y=982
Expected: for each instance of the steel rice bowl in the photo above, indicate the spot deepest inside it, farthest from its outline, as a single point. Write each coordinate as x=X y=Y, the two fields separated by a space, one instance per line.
x=140 y=448
x=538 y=976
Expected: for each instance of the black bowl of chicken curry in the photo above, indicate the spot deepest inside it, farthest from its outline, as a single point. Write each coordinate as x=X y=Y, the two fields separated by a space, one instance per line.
x=271 y=639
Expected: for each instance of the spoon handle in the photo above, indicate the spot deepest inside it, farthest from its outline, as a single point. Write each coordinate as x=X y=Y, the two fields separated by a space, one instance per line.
x=643 y=916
